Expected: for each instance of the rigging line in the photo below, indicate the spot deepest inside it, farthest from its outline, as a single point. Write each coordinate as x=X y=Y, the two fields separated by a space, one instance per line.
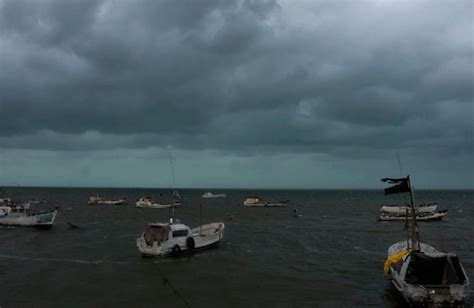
x=166 y=281
x=172 y=170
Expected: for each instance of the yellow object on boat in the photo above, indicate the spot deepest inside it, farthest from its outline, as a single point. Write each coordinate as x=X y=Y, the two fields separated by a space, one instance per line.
x=394 y=259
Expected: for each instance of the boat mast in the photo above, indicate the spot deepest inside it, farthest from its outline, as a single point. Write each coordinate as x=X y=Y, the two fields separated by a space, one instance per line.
x=200 y=216
x=175 y=192
x=174 y=186
x=415 y=235
x=407 y=210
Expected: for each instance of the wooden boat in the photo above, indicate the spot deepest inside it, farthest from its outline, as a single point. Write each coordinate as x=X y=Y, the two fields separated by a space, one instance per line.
x=21 y=215
x=258 y=202
x=423 y=275
x=209 y=195
x=164 y=239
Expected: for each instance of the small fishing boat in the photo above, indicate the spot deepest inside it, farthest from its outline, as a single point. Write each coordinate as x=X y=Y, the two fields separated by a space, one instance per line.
x=258 y=202
x=422 y=274
x=173 y=238
x=147 y=202
x=425 y=216
x=209 y=195
x=6 y=201
x=402 y=209
x=21 y=215
x=98 y=200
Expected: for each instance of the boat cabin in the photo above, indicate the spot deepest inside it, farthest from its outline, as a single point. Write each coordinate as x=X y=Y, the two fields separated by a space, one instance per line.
x=159 y=232
x=253 y=200
x=434 y=270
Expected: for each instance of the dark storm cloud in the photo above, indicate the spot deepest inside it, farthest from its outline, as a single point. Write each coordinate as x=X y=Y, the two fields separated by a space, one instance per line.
x=334 y=77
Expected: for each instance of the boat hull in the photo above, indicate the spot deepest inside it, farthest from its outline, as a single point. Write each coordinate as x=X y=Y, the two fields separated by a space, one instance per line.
x=213 y=196
x=42 y=220
x=264 y=204
x=154 y=206
x=397 y=209
x=420 y=217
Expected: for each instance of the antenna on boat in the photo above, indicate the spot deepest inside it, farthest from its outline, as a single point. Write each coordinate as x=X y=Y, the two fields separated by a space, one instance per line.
x=172 y=170
x=200 y=216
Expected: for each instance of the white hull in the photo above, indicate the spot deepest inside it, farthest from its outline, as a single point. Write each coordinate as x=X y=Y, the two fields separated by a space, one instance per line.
x=42 y=220
x=264 y=204
x=401 y=210
x=211 y=196
x=154 y=205
x=204 y=237
x=419 y=217
x=109 y=202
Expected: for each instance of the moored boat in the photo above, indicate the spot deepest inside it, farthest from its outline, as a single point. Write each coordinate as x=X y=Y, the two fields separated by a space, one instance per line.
x=147 y=202
x=173 y=238
x=258 y=202
x=427 y=216
x=21 y=215
x=209 y=195
x=98 y=200
x=6 y=201
x=422 y=274
x=402 y=209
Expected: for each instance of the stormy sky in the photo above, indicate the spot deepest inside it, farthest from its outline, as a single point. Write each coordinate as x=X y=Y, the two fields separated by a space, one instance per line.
x=248 y=93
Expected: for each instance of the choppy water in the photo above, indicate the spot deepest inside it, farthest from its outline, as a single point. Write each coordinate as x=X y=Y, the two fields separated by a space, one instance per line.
x=329 y=257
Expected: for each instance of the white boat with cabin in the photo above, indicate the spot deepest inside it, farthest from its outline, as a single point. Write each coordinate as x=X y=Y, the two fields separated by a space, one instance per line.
x=209 y=195
x=258 y=202
x=173 y=238
x=147 y=202
x=21 y=215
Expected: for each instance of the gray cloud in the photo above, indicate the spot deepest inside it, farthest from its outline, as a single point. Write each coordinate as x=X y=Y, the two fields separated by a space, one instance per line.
x=364 y=77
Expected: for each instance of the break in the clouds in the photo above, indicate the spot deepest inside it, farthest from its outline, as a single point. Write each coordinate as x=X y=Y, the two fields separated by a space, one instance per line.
x=336 y=87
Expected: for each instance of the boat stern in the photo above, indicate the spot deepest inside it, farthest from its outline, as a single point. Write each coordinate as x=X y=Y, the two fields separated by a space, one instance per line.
x=149 y=251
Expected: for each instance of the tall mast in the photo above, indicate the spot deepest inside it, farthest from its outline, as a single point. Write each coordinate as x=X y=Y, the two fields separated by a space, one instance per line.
x=415 y=235
x=172 y=170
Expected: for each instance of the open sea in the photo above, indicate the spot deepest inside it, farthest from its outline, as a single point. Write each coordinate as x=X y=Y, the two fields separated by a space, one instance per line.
x=330 y=256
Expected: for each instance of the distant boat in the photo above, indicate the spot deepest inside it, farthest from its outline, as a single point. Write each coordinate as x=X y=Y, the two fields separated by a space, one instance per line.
x=98 y=200
x=21 y=215
x=147 y=202
x=425 y=212
x=209 y=195
x=5 y=201
x=423 y=275
x=438 y=215
x=258 y=202
x=402 y=209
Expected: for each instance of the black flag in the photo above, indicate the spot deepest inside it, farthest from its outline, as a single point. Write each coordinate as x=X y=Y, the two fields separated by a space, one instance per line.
x=402 y=185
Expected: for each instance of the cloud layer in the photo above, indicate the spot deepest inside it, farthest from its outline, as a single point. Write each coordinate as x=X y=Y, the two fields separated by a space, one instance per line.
x=344 y=79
